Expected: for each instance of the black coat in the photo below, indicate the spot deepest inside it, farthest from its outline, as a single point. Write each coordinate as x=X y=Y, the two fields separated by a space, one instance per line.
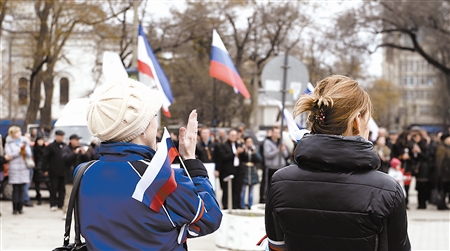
x=72 y=160
x=334 y=199
x=226 y=162
x=52 y=160
x=38 y=152
x=202 y=154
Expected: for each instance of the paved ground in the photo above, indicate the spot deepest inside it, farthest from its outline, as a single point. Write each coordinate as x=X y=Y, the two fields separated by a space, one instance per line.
x=40 y=229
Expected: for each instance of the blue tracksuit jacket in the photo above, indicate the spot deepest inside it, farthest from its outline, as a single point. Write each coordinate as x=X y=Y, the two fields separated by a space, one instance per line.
x=111 y=219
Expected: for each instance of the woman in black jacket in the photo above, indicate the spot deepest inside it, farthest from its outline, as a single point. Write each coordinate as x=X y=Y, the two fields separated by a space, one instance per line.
x=333 y=198
x=38 y=175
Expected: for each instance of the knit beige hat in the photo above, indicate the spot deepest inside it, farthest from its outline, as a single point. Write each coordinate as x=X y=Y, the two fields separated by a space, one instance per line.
x=122 y=111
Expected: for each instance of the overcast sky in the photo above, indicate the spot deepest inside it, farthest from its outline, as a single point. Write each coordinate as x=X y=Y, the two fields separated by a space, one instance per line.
x=160 y=8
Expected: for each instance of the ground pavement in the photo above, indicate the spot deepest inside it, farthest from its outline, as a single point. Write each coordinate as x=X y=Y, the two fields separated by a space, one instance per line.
x=38 y=228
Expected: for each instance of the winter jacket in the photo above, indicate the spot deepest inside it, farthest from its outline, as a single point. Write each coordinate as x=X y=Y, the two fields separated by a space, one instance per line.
x=52 y=160
x=38 y=152
x=334 y=199
x=249 y=160
x=111 y=219
x=272 y=155
x=71 y=160
x=443 y=163
x=18 y=172
x=420 y=163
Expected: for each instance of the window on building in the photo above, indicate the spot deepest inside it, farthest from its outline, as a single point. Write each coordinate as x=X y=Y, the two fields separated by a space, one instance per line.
x=63 y=91
x=425 y=110
x=429 y=81
x=23 y=91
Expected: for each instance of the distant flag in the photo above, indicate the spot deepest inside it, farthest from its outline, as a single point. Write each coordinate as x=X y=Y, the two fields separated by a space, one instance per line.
x=222 y=67
x=158 y=180
x=309 y=88
x=290 y=123
x=151 y=73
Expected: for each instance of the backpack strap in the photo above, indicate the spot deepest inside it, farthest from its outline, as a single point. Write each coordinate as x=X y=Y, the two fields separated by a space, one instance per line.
x=72 y=206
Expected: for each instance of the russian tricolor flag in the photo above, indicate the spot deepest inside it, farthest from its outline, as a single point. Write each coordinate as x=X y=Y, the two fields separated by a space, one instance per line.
x=158 y=180
x=222 y=67
x=151 y=73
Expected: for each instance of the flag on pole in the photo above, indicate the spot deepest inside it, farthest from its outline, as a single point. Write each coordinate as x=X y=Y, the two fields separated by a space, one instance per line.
x=309 y=88
x=222 y=67
x=151 y=73
x=294 y=131
x=158 y=180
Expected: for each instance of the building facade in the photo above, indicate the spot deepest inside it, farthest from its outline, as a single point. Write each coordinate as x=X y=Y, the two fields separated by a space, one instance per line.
x=419 y=84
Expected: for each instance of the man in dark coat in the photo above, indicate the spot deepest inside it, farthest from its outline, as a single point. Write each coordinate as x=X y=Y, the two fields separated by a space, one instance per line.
x=205 y=149
x=229 y=164
x=72 y=154
x=53 y=167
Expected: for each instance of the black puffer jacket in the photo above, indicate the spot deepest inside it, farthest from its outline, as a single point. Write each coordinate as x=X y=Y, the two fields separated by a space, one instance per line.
x=334 y=199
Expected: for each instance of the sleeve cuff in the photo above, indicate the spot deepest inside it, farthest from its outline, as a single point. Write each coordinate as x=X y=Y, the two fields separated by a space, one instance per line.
x=195 y=168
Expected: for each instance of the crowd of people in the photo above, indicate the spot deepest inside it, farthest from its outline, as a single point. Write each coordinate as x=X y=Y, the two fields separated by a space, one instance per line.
x=53 y=167
x=338 y=171
x=416 y=153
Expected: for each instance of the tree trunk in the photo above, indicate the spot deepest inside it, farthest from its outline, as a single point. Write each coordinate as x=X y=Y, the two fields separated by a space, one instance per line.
x=446 y=108
x=46 y=111
x=35 y=98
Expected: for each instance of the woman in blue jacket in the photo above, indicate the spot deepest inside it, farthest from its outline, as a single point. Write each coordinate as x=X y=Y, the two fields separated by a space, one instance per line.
x=122 y=117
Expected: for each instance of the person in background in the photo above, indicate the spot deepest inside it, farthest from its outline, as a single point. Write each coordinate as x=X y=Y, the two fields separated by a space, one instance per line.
x=38 y=176
x=383 y=152
x=221 y=136
x=333 y=198
x=168 y=210
x=250 y=157
x=392 y=138
x=395 y=171
x=4 y=158
x=206 y=149
x=275 y=153
x=400 y=150
x=72 y=155
x=92 y=151
x=229 y=164
x=53 y=166
x=18 y=147
x=419 y=154
x=443 y=169
x=265 y=173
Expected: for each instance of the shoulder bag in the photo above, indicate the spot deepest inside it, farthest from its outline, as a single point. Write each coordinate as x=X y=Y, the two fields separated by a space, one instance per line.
x=73 y=207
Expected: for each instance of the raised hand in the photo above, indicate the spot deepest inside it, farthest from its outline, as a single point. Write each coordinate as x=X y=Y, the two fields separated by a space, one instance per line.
x=188 y=137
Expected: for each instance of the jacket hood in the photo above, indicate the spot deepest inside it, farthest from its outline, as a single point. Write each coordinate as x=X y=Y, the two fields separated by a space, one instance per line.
x=124 y=151
x=336 y=153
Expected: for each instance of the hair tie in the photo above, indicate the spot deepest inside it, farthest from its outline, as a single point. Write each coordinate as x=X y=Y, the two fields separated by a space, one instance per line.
x=320 y=118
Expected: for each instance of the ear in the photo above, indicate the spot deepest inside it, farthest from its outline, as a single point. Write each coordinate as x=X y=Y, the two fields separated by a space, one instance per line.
x=356 y=125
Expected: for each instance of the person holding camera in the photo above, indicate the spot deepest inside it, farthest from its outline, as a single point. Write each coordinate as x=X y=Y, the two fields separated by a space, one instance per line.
x=250 y=157
x=72 y=154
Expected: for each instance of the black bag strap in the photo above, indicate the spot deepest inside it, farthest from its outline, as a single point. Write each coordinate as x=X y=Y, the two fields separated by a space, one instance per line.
x=73 y=205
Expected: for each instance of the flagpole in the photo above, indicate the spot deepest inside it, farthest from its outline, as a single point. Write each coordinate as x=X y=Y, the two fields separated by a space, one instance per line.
x=214 y=107
x=283 y=95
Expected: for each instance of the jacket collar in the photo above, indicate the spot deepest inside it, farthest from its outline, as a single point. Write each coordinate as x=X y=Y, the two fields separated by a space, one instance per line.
x=336 y=153
x=124 y=151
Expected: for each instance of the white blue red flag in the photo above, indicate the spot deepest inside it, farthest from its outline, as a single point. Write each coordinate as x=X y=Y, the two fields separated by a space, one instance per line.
x=222 y=67
x=158 y=180
x=151 y=73
x=309 y=88
x=293 y=129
